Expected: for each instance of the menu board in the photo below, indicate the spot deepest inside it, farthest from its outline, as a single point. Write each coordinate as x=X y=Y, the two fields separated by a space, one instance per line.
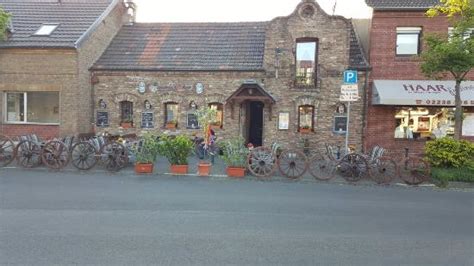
x=340 y=124
x=192 y=121
x=147 y=120
x=102 y=119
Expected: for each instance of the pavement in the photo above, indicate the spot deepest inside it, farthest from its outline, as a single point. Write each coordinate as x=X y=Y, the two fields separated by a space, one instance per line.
x=100 y=218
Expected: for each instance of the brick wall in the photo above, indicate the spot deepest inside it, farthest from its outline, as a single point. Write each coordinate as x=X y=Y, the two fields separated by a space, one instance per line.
x=42 y=131
x=386 y=65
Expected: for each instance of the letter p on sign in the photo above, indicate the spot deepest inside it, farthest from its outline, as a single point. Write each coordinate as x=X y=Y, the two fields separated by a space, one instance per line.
x=350 y=77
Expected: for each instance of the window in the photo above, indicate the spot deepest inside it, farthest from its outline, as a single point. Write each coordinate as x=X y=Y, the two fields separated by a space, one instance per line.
x=468 y=34
x=422 y=123
x=305 y=118
x=306 y=52
x=32 y=107
x=219 y=120
x=171 y=113
x=126 y=112
x=46 y=30
x=408 y=40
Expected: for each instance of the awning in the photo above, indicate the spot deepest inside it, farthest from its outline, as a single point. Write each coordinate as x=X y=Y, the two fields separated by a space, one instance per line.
x=420 y=92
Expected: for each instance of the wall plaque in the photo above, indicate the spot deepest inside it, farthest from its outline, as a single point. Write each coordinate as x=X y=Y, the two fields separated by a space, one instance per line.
x=147 y=120
x=283 y=120
x=102 y=119
x=340 y=124
x=192 y=121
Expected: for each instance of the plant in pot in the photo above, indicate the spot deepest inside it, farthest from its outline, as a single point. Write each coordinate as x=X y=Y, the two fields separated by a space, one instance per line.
x=171 y=124
x=177 y=150
x=206 y=116
x=305 y=129
x=145 y=153
x=126 y=123
x=235 y=155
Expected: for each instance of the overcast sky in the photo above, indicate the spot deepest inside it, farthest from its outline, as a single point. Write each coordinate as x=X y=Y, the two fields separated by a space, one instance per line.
x=236 y=10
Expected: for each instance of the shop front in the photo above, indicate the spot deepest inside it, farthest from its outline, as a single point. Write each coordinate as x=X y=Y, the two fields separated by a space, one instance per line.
x=414 y=111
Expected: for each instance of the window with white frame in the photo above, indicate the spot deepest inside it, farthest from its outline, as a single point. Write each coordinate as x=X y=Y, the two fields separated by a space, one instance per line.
x=469 y=33
x=408 y=40
x=32 y=107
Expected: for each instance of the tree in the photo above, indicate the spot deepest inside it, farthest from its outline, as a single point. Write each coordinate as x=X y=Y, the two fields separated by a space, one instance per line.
x=454 y=54
x=4 y=21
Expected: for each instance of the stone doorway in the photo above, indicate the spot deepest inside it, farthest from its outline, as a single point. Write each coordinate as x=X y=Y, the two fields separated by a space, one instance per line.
x=254 y=122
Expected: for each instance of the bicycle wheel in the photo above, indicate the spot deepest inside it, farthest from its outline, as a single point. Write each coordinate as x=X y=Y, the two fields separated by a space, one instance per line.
x=7 y=151
x=384 y=170
x=292 y=164
x=261 y=162
x=28 y=154
x=114 y=156
x=414 y=171
x=321 y=168
x=353 y=167
x=83 y=155
x=55 y=154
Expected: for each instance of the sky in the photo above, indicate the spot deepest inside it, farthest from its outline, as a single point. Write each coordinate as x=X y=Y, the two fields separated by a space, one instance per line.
x=237 y=10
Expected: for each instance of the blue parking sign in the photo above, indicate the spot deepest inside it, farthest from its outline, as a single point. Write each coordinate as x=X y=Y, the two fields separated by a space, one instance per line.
x=350 y=77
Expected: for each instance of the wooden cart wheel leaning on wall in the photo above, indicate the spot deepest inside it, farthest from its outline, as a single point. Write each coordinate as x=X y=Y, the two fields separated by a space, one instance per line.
x=7 y=151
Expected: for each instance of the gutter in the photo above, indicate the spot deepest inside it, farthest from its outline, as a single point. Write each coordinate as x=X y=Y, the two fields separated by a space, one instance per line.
x=96 y=24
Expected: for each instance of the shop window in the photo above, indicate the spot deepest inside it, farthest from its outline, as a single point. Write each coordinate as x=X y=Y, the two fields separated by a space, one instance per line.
x=171 y=114
x=32 y=107
x=408 y=40
x=126 y=112
x=306 y=55
x=424 y=123
x=219 y=120
x=305 y=118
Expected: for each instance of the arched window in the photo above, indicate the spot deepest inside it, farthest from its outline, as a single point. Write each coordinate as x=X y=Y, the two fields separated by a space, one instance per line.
x=305 y=118
x=171 y=113
x=219 y=120
x=306 y=61
x=126 y=112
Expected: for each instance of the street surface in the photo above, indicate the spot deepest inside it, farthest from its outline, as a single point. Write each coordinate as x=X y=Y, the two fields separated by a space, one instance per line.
x=72 y=218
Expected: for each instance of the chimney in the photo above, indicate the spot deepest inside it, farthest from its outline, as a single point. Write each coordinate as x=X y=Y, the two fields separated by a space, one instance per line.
x=131 y=12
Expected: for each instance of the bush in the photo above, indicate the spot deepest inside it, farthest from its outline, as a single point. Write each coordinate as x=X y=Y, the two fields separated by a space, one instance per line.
x=147 y=150
x=445 y=175
x=447 y=152
x=175 y=149
x=235 y=152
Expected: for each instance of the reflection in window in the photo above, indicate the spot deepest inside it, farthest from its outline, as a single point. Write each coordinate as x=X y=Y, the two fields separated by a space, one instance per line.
x=126 y=112
x=415 y=123
x=219 y=120
x=408 y=40
x=305 y=117
x=171 y=113
x=33 y=107
x=306 y=63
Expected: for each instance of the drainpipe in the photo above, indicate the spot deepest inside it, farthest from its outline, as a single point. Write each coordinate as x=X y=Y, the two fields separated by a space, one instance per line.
x=365 y=108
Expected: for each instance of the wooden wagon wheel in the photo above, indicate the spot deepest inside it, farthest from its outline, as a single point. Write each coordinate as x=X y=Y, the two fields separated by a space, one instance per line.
x=7 y=151
x=353 y=167
x=28 y=154
x=83 y=155
x=292 y=163
x=261 y=162
x=114 y=156
x=321 y=167
x=414 y=171
x=55 y=154
x=384 y=170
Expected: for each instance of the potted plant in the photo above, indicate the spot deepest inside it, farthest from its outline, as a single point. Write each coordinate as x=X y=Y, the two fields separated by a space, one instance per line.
x=305 y=129
x=177 y=150
x=205 y=117
x=127 y=123
x=171 y=124
x=145 y=153
x=235 y=155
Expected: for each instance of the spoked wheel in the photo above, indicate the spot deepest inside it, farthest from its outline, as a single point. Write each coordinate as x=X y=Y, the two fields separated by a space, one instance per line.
x=292 y=163
x=353 y=167
x=114 y=156
x=55 y=154
x=384 y=170
x=261 y=162
x=321 y=168
x=28 y=154
x=7 y=151
x=83 y=155
x=414 y=171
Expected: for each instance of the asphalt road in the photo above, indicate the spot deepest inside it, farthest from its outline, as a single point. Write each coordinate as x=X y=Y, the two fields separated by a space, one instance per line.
x=51 y=218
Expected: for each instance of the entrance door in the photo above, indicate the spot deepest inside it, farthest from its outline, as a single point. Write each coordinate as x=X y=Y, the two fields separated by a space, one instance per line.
x=255 y=126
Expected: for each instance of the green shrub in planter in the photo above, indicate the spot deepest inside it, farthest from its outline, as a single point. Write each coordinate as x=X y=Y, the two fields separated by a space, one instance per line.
x=448 y=152
x=147 y=150
x=235 y=152
x=176 y=149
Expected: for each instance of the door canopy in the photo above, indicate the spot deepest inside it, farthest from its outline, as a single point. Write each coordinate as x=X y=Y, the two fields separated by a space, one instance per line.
x=251 y=92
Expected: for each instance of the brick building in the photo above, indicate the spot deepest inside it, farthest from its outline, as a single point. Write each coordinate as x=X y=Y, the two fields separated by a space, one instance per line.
x=270 y=81
x=406 y=108
x=44 y=63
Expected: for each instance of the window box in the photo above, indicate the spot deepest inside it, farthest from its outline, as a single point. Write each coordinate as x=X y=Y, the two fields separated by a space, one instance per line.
x=305 y=130
x=170 y=125
x=126 y=124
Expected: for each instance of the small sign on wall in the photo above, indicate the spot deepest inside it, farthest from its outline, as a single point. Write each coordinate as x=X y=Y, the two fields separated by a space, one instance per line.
x=192 y=121
x=147 y=120
x=102 y=119
x=340 y=124
x=283 y=120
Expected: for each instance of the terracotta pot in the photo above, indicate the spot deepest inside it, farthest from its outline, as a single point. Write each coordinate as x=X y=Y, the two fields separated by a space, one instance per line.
x=126 y=124
x=144 y=168
x=305 y=130
x=204 y=169
x=170 y=126
x=236 y=171
x=179 y=169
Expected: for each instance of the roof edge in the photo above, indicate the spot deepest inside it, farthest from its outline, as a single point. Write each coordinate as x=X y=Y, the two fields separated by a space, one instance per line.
x=131 y=69
x=96 y=24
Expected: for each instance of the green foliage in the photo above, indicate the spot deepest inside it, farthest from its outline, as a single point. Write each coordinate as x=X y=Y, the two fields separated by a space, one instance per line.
x=235 y=152
x=206 y=116
x=4 y=20
x=147 y=151
x=175 y=148
x=445 y=175
x=447 y=152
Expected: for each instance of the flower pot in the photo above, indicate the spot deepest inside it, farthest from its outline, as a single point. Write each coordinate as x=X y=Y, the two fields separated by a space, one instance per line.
x=143 y=168
x=179 y=169
x=204 y=169
x=235 y=171
x=170 y=126
x=305 y=130
x=126 y=124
